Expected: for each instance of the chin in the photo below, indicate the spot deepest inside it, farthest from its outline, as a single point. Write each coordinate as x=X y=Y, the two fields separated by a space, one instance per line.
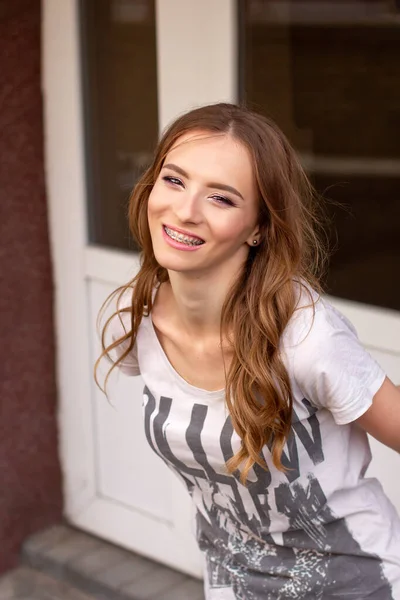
x=174 y=265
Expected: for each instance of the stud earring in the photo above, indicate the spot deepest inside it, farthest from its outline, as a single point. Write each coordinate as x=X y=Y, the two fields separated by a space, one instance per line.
x=255 y=242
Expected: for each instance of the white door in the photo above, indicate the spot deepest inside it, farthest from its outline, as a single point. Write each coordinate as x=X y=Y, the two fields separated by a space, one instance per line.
x=112 y=481
x=113 y=484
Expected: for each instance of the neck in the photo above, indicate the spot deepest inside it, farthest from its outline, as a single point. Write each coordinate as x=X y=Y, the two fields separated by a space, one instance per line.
x=198 y=301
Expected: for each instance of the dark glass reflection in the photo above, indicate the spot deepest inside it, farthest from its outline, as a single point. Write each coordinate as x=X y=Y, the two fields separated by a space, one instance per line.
x=329 y=74
x=121 y=112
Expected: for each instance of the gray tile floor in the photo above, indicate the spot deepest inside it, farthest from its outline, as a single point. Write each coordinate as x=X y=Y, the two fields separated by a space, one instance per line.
x=62 y=563
x=27 y=584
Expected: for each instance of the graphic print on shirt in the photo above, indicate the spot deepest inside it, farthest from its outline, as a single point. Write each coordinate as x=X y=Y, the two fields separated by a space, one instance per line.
x=233 y=521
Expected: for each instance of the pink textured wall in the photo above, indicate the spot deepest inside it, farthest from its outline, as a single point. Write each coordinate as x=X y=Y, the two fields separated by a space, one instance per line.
x=30 y=481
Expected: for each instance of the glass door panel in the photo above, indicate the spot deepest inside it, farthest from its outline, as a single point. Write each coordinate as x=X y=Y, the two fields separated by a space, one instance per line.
x=121 y=109
x=329 y=74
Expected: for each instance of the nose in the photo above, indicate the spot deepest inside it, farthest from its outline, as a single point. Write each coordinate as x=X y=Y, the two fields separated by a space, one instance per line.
x=188 y=207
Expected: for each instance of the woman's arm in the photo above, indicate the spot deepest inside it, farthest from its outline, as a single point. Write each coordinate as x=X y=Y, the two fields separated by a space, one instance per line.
x=382 y=419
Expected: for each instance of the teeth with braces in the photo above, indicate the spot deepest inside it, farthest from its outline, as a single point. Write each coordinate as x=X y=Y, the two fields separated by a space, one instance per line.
x=179 y=237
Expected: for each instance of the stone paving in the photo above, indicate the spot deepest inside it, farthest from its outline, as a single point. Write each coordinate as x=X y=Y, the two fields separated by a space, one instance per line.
x=62 y=563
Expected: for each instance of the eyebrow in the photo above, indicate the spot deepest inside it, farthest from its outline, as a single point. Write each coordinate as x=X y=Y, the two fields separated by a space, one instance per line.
x=219 y=186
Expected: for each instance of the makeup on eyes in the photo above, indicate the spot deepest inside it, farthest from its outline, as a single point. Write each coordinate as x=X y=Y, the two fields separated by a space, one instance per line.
x=219 y=186
x=218 y=198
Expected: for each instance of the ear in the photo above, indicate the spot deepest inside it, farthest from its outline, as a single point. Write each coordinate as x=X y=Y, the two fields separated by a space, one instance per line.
x=254 y=238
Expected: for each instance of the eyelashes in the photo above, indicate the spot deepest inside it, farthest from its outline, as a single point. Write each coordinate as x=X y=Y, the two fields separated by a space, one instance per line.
x=175 y=181
x=223 y=200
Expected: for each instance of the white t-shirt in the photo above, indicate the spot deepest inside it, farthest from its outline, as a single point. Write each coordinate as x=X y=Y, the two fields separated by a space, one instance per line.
x=319 y=530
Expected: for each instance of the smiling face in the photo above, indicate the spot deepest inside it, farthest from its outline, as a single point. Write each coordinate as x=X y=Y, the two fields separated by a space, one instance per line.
x=203 y=208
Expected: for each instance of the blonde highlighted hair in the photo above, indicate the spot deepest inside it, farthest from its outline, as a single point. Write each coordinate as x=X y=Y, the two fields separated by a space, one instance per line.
x=263 y=298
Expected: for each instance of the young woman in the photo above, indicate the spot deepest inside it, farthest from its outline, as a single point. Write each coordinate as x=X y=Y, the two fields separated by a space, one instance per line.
x=257 y=391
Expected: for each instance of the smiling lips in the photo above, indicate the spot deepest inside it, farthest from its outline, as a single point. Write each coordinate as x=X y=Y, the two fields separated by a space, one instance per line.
x=182 y=238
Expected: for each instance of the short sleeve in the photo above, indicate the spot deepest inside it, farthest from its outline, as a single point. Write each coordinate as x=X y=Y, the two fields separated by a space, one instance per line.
x=332 y=368
x=119 y=325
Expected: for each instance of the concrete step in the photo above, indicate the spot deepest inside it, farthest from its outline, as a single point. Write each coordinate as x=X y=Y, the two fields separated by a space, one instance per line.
x=93 y=568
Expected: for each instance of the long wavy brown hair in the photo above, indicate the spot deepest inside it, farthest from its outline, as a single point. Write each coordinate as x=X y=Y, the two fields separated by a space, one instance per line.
x=263 y=298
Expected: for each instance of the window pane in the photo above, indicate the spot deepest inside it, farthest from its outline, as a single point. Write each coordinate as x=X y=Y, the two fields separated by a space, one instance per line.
x=329 y=74
x=121 y=113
